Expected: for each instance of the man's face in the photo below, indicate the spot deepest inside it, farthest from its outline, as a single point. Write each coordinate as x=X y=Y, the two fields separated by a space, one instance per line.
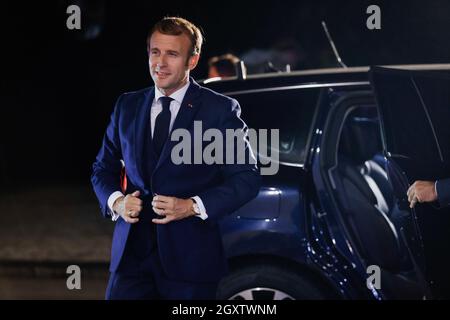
x=170 y=61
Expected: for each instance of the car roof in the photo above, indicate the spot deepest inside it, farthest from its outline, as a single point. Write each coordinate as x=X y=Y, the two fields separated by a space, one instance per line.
x=306 y=78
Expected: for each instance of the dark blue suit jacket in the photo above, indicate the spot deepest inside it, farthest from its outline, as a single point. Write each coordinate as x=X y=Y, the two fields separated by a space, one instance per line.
x=190 y=249
x=443 y=192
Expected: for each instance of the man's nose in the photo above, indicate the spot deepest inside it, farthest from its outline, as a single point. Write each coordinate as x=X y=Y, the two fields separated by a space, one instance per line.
x=158 y=61
x=162 y=60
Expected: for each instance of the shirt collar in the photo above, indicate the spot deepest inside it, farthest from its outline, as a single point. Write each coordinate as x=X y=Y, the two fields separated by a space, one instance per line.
x=178 y=95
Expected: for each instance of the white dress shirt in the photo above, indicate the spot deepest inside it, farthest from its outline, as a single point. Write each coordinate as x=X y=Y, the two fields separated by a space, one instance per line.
x=156 y=108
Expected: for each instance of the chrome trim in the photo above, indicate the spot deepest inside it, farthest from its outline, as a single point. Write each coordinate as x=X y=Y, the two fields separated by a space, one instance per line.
x=289 y=164
x=209 y=80
x=328 y=71
x=300 y=86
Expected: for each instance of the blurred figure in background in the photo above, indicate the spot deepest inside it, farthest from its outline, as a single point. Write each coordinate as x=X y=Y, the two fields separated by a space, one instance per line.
x=284 y=55
x=222 y=66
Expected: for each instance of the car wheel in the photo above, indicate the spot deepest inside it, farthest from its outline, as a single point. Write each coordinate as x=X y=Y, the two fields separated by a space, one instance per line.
x=267 y=283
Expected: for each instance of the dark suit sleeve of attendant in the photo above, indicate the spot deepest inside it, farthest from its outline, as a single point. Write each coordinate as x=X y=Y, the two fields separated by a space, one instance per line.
x=240 y=182
x=443 y=192
x=105 y=177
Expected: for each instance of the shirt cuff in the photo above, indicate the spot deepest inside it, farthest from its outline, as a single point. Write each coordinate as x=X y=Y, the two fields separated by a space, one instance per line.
x=112 y=198
x=435 y=189
x=201 y=207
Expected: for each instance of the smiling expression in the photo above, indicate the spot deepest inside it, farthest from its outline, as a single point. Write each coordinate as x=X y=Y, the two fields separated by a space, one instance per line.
x=170 y=61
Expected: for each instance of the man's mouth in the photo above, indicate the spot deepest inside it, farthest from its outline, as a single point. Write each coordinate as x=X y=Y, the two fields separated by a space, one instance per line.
x=162 y=74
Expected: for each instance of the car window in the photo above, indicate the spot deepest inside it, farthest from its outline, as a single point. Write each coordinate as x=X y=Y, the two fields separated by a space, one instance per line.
x=360 y=127
x=415 y=118
x=290 y=111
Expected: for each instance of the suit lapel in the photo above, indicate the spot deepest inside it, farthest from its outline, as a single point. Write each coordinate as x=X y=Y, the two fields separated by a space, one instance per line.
x=142 y=127
x=188 y=109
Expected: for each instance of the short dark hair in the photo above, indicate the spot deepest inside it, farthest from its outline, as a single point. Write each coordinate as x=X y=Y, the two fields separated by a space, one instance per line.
x=225 y=64
x=176 y=26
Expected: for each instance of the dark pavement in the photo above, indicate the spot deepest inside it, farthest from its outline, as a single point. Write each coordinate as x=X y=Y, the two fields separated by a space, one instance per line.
x=42 y=232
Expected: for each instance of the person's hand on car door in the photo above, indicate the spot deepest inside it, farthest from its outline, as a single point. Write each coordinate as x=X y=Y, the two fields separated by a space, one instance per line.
x=421 y=191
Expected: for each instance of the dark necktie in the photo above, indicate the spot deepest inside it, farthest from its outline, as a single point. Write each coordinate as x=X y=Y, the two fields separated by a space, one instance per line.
x=162 y=124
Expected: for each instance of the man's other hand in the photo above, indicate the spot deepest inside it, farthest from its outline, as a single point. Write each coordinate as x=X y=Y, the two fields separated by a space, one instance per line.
x=129 y=207
x=172 y=208
x=421 y=191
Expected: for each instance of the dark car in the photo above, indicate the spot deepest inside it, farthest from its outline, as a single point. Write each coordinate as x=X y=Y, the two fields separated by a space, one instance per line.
x=334 y=221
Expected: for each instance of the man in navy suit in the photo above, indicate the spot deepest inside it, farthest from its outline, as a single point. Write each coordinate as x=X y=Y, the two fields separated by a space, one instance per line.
x=430 y=191
x=167 y=242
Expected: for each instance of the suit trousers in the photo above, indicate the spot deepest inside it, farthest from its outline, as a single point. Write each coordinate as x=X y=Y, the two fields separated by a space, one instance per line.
x=143 y=278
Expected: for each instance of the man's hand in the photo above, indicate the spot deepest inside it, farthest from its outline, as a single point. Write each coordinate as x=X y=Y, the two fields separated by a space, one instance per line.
x=421 y=191
x=129 y=207
x=172 y=208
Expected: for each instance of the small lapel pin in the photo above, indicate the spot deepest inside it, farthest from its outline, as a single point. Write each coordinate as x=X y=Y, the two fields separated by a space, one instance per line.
x=189 y=105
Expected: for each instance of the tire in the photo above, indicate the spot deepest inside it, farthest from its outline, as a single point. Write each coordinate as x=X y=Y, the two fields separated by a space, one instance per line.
x=267 y=283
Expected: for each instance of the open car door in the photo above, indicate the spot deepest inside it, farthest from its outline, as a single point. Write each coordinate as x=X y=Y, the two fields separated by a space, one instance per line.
x=414 y=112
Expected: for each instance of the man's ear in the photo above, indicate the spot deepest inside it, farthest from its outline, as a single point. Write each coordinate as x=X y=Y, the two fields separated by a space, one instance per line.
x=193 y=61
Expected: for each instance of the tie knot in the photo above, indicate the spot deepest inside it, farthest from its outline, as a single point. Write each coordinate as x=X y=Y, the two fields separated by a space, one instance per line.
x=165 y=101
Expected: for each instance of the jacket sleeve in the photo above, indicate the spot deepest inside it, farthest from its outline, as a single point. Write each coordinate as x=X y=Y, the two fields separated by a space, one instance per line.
x=107 y=167
x=443 y=192
x=240 y=182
